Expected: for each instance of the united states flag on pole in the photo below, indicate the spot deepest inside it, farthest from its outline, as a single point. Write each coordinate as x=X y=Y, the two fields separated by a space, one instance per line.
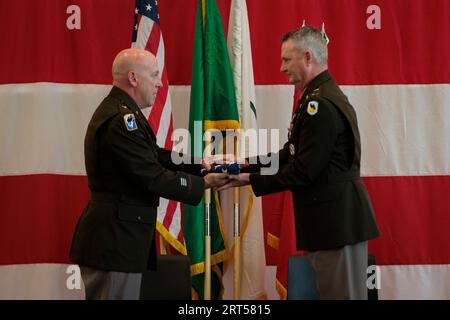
x=147 y=35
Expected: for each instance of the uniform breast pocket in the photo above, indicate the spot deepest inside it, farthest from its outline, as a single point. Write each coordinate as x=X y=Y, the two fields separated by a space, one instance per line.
x=137 y=214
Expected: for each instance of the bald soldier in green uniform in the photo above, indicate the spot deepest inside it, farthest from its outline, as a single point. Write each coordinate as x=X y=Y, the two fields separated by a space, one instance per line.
x=114 y=241
x=320 y=164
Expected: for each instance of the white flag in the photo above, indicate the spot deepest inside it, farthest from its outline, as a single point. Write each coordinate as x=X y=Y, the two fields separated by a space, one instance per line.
x=253 y=260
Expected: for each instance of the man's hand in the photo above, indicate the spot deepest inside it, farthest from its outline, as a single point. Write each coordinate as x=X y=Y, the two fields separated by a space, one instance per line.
x=215 y=180
x=237 y=180
x=209 y=162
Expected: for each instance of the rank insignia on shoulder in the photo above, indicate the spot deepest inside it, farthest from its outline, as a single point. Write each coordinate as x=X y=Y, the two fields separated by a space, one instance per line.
x=130 y=122
x=313 y=107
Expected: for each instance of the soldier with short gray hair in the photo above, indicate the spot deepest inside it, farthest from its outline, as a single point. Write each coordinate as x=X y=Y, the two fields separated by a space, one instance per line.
x=320 y=165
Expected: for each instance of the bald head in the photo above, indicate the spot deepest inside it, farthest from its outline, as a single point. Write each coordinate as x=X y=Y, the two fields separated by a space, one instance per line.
x=136 y=72
x=130 y=59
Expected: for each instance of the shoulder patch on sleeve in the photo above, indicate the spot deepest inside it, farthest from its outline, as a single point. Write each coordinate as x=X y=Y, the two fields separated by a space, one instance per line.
x=130 y=122
x=313 y=107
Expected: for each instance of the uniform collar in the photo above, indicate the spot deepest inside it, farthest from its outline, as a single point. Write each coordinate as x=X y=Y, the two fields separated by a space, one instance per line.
x=312 y=85
x=316 y=82
x=124 y=98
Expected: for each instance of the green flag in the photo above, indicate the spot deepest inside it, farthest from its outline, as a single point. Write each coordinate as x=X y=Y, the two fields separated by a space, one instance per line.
x=212 y=106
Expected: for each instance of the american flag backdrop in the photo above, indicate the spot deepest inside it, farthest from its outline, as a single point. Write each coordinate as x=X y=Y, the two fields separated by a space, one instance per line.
x=147 y=34
x=56 y=68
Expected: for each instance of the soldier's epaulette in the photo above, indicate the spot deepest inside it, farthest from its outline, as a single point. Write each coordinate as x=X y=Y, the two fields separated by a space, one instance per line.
x=120 y=108
x=124 y=108
x=313 y=95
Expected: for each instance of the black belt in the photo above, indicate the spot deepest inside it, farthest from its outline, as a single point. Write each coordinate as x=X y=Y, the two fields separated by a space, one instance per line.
x=120 y=197
x=106 y=197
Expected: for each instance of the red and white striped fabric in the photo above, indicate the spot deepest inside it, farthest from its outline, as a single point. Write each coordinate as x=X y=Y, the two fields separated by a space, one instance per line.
x=147 y=34
x=397 y=77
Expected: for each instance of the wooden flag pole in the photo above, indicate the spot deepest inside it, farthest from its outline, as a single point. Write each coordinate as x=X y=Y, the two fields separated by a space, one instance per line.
x=162 y=245
x=237 y=235
x=207 y=282
x=207 y=285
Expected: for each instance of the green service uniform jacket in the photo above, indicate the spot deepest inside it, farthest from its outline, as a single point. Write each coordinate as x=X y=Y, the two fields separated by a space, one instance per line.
x=127 y=174
x=320 y=164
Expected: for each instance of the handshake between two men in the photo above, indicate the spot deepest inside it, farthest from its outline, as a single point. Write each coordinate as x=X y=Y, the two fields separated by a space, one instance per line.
x=223 y=172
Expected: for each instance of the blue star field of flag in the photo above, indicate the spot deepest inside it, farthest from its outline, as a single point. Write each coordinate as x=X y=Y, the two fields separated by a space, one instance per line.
x=146 y=8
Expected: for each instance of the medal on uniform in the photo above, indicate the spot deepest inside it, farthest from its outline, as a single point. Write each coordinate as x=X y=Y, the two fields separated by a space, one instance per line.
x=291 y=149
x=293 y=120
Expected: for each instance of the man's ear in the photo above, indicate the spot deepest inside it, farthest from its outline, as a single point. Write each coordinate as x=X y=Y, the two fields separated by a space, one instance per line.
x=308 y=57
x=132 y=78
